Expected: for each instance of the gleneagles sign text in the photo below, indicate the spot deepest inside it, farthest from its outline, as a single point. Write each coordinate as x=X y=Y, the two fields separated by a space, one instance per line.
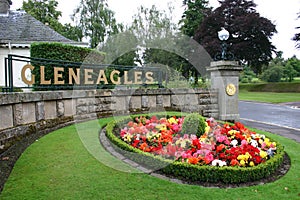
x=80 y=76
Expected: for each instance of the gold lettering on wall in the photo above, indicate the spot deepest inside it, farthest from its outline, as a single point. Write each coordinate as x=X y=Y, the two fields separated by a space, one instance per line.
x=149 y=77
x=43 y=81
x=102 y=77
x=58 y=76
x=113 y=73
x=138 y=77
x=87 y=76
x=73 y=76
x=23 y=75
x=77 y=76
x=126 y=81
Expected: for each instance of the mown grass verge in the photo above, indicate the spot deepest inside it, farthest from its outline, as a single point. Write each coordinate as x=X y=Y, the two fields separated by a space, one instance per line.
x=58 y=166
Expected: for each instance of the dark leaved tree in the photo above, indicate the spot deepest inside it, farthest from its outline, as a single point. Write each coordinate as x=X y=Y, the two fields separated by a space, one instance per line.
x=250 y=33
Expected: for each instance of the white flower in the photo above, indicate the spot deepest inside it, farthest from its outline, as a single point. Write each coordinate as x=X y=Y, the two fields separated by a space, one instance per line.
x=254 y=143
x=219 y=163
x=234 y=143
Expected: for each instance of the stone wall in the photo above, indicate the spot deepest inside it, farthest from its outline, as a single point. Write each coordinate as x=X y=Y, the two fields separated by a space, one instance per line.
x=22 y=114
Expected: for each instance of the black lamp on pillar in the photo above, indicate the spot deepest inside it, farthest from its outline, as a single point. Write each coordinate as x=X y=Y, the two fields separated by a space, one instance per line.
x=224 y=55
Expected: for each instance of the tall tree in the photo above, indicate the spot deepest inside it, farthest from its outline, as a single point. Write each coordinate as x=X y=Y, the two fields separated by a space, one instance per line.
x=46 y=12
x=297 y=35
x=194 y=13
x=250 y=33
x=95 y=20
x=193 y=16
x=151 y=25
x=43 y=10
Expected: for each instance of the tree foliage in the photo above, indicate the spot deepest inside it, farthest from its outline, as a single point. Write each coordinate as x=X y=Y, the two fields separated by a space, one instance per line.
x=194 y=13
x=95 y=20
x=155 y=27
x=296 y=38
x=151 y=25
x=250 y=33
x=43 y=10
x=46 y=12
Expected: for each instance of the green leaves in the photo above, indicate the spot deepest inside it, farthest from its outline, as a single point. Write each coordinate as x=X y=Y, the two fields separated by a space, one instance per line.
x=95 y=20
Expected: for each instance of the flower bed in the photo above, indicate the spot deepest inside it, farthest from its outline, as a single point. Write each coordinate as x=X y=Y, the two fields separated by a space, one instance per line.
x=224 y=152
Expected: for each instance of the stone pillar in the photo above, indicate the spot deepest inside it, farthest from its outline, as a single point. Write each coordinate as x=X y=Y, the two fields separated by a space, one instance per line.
x=225 y=78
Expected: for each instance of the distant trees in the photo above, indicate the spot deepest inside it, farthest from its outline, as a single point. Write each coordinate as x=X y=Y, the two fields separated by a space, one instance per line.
x=280 y=69
x=250 y=33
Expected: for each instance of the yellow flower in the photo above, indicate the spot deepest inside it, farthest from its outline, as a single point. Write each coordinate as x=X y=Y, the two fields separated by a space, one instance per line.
x=263 y=154
x=251 y=164
x=267 y=141
x=242 y=162
x=241 y=157
x=233 y=132
x=161 y=127
x=172 y=120
x=247 y=156
x=207 y=129
x=127 y=137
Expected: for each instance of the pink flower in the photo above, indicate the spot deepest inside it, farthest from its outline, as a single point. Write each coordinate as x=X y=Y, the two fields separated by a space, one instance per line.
x=175 y=127
x=244 y=142
x=208 y=158
x=186 y=154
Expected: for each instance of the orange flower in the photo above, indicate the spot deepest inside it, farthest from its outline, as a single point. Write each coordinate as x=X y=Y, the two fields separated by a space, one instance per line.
x=193 y=160
x=144 y=146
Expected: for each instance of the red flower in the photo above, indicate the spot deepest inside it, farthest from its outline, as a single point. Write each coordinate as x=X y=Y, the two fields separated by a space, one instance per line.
x=135 y=143
x=220 y=148
x=196 y=144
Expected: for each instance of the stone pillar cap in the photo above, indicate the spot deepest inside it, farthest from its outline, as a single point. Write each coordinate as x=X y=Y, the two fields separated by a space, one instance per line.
x=224 y=65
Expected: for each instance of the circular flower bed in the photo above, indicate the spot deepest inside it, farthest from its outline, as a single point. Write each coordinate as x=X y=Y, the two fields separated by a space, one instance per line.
x=230 y=153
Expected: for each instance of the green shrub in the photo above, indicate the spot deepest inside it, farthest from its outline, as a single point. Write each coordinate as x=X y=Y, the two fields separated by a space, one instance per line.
x=193 y=123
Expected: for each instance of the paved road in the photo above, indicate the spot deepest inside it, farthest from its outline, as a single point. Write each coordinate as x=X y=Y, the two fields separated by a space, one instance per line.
x=280 y=119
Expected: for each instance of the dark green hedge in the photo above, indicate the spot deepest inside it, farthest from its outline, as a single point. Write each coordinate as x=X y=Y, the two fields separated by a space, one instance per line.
x=188 y=172
x=271 y=87
x=61 y=55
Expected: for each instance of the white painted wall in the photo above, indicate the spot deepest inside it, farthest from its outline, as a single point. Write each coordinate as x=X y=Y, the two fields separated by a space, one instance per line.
x=17 y=66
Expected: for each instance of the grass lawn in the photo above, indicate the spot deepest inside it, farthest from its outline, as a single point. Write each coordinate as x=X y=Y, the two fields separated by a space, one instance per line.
x=270 y=97
x=58 y=166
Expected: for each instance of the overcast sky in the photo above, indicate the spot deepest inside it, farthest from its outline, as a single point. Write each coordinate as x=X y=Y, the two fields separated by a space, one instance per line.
x=282 y=13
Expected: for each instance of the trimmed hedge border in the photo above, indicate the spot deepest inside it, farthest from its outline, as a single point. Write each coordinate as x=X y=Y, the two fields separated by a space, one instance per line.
x=194 y=173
